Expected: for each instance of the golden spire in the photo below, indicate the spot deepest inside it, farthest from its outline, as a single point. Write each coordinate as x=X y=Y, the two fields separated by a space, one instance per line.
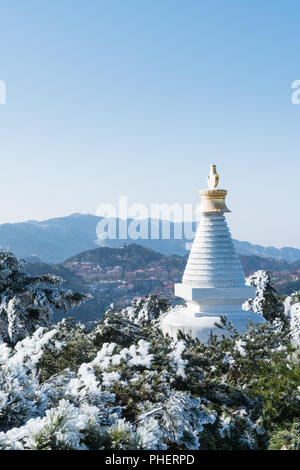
x=213 y=177
x=212 y=199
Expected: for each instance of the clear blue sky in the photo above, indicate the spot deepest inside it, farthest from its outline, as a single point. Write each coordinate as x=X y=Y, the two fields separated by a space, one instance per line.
x=137 y=98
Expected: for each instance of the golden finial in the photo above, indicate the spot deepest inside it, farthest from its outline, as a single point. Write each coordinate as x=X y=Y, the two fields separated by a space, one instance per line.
x=212 y=199
x=213 y=177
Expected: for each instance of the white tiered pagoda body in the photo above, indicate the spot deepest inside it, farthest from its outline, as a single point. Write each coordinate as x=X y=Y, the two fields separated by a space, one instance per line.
x=213 y=282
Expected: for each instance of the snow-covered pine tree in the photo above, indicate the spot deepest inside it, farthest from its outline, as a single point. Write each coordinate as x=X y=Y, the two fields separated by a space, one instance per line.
x=266 y=302
x=122 y=384
x=292 y=315
x=26 y=302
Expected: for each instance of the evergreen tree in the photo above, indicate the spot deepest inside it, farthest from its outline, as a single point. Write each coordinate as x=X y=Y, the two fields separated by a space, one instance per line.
x=266 y=302
x=122 y=384
x=292 y=316
x=26 y=302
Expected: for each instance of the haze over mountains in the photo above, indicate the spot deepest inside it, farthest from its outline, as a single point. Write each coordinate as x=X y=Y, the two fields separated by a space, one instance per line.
x=57 y=239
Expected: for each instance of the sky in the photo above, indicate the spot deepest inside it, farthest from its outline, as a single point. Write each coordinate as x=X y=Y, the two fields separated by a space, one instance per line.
x=138 y=98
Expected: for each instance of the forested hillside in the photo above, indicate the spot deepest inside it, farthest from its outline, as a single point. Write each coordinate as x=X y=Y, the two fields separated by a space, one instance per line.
x=117 y=275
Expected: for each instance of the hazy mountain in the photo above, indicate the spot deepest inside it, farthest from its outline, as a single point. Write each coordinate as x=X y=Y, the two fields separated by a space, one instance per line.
x=51 y=240
x=252 y=263
x=55 y=240
x=287 y=253
x=129 y=257
x=33 y=259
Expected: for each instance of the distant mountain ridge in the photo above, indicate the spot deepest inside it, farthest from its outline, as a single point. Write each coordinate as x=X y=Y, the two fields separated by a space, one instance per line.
x=288 y=254
x=55 y=240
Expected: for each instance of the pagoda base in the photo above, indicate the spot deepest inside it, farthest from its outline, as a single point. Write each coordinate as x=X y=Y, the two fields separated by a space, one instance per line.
x=222 y=297
x=201 y=326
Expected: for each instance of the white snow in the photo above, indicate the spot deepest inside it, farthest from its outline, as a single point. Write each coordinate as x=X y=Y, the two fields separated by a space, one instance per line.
x=176 y=358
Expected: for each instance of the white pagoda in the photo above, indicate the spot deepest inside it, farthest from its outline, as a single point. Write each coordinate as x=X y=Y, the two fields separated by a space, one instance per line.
x=213 y=282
